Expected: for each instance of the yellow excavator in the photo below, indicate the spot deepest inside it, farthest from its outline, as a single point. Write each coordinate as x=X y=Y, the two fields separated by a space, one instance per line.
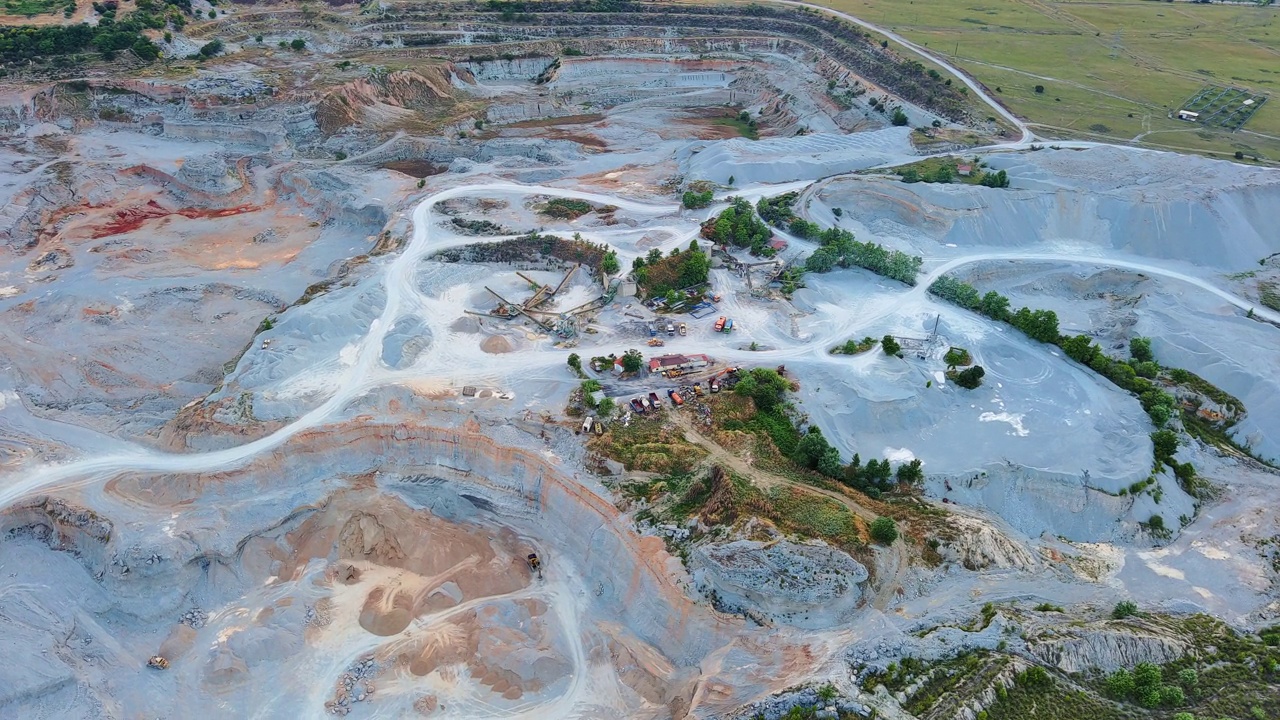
x=535 y=565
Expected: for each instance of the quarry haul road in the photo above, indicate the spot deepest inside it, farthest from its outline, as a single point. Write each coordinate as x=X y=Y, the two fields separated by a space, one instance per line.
x=365 y=372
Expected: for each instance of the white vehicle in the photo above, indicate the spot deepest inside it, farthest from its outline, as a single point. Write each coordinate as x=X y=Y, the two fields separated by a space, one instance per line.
x=586 y=424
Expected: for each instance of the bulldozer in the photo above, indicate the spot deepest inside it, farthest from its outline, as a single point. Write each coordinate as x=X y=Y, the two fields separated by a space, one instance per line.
x=158 y=663
x=535 y=565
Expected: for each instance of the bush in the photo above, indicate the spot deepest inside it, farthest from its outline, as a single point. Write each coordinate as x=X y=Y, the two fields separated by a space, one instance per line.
x=211 y=48
x=884 y=530
x=899 y=117
x=970 y=378
x=1140 y=349
x=1124 y=609
x=632 y=361
x=694 y=200
x=298 y=44
x=890 y=345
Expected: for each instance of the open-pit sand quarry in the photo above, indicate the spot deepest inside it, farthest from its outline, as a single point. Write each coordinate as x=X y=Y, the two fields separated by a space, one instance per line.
x=329 y=511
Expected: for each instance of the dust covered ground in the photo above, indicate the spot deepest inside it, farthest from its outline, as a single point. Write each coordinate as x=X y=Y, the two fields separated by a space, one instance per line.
x=258 y=417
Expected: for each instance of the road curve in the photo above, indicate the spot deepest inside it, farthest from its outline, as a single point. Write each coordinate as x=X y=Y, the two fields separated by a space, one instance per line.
x=969 y=82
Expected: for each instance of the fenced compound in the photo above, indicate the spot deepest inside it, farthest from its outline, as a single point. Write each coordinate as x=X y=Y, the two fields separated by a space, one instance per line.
x=1219 y=106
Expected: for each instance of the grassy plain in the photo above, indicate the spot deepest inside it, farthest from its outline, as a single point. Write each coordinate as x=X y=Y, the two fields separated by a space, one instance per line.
x=1112 y=69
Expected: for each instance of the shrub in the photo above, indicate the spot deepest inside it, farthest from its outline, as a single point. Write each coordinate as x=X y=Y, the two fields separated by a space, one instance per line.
x=970 y=378
x=298 y=44
x=884 y=530
x=899 y=117
x=890 y=345
x=1124 y=609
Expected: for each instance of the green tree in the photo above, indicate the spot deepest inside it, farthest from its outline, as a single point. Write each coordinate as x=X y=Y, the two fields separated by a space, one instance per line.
x=994 y=305
x=605 y=407
x=764 y=386
x=211 y=48
x=1189 y=679
x=912 y=472
x=1119 y=684
x=298 y=44
x=1080 y=348
x=971 y=377
x=1166 y=444
x=955 y=356
x=830 y=464
x=899 y=117
x=575 y=362
x=609 y=263
x=890 y=345
x=632 y=361
x=1140 y=349
x=820 y=261
x=884 y=530
x=655 y=254
x=810 y=448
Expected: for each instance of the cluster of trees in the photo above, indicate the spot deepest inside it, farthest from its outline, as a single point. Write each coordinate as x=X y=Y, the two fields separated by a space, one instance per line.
x=694 y=200
x=23 y=44
x=1145 y=686
x=1039 y=325
x=942 y=174
x=777 y=210
x=839 y=248
x=890 y=345
x=659 y=275
x=995 y=180
x=764 y=386
x=854 y=347
x=739 y=226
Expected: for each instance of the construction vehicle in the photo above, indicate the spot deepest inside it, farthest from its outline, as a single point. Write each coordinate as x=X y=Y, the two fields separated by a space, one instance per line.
x=158 y=663
x=653 y=398
x=697 y=389
x=598 y=428
x=637 y=405
x=671 y=329
x=648 y=405
x=675 y=398
x=720 y=323
x=586 y=424
x=683 y=329
x=535 y=565
x=714 y=385
x=653 y=330
x=656 y=342
x=728 y=325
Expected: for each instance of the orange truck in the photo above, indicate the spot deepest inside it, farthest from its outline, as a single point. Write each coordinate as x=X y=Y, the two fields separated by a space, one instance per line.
x=720 y=323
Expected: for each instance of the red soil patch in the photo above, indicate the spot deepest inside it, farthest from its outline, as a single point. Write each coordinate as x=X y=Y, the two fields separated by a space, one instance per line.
x=132 y=218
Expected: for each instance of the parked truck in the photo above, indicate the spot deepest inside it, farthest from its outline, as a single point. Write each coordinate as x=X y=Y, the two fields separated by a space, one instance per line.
x=720 y=323
x=675 y=398
x=653 y=398
x=728 y=325
x=671 y=329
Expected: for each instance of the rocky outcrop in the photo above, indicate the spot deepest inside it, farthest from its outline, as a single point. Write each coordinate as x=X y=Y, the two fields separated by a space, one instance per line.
x=810 y=585
x=60 y=525
x=979 y=546
x=1107 y=648
x=383 y=99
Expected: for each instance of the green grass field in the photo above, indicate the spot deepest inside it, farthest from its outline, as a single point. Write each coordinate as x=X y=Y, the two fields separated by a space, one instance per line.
x=1111 y=70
